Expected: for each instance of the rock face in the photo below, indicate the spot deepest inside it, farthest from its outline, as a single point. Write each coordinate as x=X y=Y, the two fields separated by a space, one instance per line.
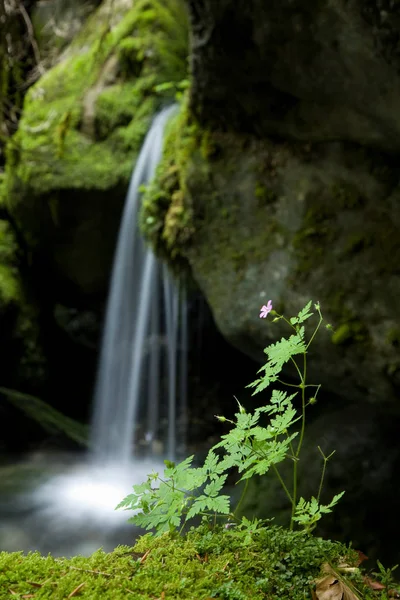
x=290 y=222
x=295 y=195
x=315 y=71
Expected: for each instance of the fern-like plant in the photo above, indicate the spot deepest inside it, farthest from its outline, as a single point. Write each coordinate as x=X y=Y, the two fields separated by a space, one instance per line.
x=167 y=502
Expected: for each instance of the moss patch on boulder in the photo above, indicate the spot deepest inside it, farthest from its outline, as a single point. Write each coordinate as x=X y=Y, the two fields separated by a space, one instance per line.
x=167 y=219
x=84 y=121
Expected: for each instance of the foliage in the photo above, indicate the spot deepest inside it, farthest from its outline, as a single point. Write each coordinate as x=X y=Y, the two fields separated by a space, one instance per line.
x=48 y=417
x=385 y=576
x=166 y=502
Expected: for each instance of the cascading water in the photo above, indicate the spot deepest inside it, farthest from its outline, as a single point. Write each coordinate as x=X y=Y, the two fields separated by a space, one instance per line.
x=142 y=378
x=137 y=320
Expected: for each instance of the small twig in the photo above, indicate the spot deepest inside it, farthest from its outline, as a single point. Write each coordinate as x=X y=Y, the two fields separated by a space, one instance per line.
x=145 y=555
x=77 y=590
x=32 y=39
x=35 y=584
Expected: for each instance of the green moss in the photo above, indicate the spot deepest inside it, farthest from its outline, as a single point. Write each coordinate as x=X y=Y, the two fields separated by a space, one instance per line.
x=84 y=121
x=274 y=563
x=393 y=337
x=347 y=195
x=10 y=286
x=182 y=206
x=13 y=303
x=264 y=195
x=208 y=147
x=167 y=213
x=319 y=229
x=356 y=242
x=350 y=331
x=342 y=334
x=3 y=190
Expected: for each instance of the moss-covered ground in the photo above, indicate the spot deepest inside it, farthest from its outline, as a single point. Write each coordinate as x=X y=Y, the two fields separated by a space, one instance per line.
x=273 y=563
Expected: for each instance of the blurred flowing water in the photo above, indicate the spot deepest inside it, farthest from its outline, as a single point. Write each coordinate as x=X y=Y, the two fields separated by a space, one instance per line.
x=66 y=505
x=141 y=336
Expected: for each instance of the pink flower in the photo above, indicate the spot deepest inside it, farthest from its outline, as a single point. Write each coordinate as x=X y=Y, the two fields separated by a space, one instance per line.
x=265 y=310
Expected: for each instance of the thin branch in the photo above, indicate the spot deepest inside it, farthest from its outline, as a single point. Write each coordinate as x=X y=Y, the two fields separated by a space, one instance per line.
x=31 y=34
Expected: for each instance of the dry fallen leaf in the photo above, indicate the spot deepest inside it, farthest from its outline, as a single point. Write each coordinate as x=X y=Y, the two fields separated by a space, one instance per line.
x=331 y=587
x=361 y=557
x=374 y=585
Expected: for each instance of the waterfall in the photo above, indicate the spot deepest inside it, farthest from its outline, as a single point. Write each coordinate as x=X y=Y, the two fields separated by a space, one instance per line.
x=145 y=333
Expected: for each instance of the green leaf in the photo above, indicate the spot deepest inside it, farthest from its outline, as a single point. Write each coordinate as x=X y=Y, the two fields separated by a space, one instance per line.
x=127 y=502
x=278 y=354
x=283 y=421
x=305 y=313
x=335 y=499
x=282 y=351
x=162 y=87
x=219 y=505
x=215 y=486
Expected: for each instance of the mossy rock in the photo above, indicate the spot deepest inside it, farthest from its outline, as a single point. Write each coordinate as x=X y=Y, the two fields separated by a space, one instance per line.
x=261 y=219
x=225 y=564
x=20 y=353
x=83 y=122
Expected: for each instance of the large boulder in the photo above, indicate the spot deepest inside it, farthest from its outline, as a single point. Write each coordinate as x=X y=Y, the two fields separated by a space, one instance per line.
x=286 y=221
x=312 y=71
x=83 y=122
x=313 y=213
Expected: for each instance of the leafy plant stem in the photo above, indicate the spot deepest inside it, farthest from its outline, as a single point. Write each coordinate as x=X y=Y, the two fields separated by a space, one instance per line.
x=168 y=502
x=294 y=498
x=284 y=486
x=321 y=483
x=242 y=497
x=301 y=437
x=297 y=368
x=295 y=385
x=316 y=329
